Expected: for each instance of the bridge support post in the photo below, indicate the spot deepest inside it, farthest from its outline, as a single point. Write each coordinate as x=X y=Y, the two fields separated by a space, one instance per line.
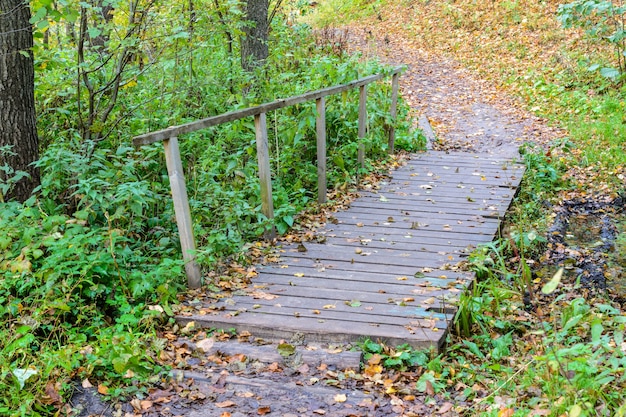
x=265 y=175
x=320 y=124
x=362 y=124
x=393 y=111
x=182 y=211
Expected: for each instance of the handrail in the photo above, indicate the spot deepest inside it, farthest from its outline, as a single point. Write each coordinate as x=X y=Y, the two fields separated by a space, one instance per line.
x=169 y=132
x=169 y=137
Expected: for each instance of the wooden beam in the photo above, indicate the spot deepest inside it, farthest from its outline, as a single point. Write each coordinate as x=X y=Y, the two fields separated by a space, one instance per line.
x=161 y=135
x=320 y=124
x=182 y=211
x=265 y=175
x=393 y=111
x=362 y=124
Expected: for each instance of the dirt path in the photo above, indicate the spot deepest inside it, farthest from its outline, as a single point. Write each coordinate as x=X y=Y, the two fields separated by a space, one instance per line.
x=466 y=113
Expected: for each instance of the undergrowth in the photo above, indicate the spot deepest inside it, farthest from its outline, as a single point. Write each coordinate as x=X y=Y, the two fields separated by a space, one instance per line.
x=91 y=263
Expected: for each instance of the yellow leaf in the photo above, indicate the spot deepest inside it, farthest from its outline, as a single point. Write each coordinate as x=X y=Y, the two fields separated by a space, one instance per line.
x=299 y=274
x=575 y=411
x=340 y=398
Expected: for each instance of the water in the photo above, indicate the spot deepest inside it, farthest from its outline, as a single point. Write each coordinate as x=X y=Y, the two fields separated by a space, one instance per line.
x=589 y=240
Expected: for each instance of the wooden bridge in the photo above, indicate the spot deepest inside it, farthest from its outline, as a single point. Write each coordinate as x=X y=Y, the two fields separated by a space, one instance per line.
x=386 y=267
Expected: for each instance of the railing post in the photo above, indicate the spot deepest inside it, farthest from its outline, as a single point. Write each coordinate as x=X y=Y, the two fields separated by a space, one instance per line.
x=393 y=111
x=362 y=124
x=182 y=211
x=265 y=176
x=320 y=124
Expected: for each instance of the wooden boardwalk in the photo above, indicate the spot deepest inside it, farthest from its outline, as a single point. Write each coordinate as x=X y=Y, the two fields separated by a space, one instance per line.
x=386 y=268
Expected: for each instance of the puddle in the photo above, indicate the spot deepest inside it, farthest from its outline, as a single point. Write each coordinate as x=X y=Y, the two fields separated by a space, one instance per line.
x=588 y=239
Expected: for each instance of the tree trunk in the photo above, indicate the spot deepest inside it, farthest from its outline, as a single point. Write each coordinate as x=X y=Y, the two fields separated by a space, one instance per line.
x=17 y=98
x=254 y=49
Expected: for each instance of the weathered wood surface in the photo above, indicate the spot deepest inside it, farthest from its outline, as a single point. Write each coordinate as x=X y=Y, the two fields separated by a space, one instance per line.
x=386 y=267
x=338 y=358
x=182 y=212
x=265 y=174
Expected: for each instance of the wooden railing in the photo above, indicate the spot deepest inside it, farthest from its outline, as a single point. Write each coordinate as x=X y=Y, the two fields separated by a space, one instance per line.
x=169 y=137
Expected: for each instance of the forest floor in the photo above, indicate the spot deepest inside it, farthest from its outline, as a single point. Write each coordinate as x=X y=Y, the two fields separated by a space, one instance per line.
x=466 y=114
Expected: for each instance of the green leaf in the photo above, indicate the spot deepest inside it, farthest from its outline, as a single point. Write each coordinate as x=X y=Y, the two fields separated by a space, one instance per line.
x=594 y=67
x=372 y=347
x=120 y=363
x=288 y=220
x=551 y=285
x=38 y=15
x=596 y=330
x=94 y=32
x=421 y=385
x=285 y=349
x=611 y=73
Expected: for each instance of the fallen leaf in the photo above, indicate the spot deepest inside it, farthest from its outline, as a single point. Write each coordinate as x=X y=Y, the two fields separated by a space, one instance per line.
x=445 y=408
x=103 y=389
x=285 y=349
x=264 y=410
x=340 y=398
x=146 y=404
x=205 y=345
x=225 y=404
x=52 y=394
x=551 y=285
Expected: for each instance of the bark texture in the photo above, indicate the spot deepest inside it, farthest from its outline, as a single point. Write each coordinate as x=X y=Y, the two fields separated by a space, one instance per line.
x=254 y=48
x=17 y=97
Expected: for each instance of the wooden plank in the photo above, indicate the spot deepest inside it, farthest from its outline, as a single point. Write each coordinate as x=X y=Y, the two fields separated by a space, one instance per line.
x=182 y=211
x=410 y=215
x=347 y=267
x=319 y=330
x=435 y=208
x=368 y=257
x=480 y=158
x=320 y=124
x=265 y=175
x=391 y=288
x=404 y=244
x=270 y=354
x=169 y=132
x=426 y=320
x=427 y=279
x=414 y=222
x=393 y=112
